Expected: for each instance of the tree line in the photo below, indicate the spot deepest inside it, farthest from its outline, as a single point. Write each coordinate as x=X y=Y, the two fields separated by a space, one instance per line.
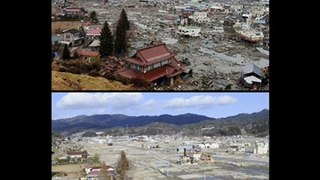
x=118 y=45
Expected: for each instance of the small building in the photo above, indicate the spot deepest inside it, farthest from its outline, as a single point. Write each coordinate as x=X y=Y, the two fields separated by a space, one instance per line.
x=73 y=36
x=93 y=33
x=94 y=175
x=92 y=30
x=73 y=12
x=93 y=168
x=252 y=76
x=207 y=145
x=261 y=148
x=95 y=44
x=192 y=31
x=88 y=55
x=77 y=155
x=152 y=64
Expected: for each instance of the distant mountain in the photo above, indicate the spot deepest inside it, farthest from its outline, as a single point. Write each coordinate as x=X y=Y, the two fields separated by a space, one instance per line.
x=188 y=124
x=100 y=122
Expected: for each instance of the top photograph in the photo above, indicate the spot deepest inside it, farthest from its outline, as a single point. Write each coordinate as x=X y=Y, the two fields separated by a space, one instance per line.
x=160 y=45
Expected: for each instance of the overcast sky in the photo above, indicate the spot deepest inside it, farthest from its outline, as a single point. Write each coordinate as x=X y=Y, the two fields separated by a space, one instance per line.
x=65 y=105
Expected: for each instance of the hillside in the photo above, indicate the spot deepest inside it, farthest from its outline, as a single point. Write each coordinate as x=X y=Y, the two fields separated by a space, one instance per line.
x=106 y=121
x=187 y=124
x=68 y=81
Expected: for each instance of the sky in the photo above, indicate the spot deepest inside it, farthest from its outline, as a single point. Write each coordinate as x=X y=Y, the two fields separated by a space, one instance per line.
x=216 y=105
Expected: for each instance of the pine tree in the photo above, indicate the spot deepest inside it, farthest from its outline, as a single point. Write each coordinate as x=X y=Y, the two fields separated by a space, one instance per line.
x=106 y=41
x=120 y=44
x=124 y=19
x=123 y=165
x=65 y=53
x=93 y=17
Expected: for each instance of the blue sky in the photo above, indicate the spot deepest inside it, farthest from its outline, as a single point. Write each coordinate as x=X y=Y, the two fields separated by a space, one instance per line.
x=65 y=105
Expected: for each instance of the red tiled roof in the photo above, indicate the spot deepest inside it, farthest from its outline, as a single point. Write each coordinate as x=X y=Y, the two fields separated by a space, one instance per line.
x=151 y=55
x=169 y=70
x=94 y=32
x=154 y=54
x=135 y=60
x=87 y=53
x=88 y=23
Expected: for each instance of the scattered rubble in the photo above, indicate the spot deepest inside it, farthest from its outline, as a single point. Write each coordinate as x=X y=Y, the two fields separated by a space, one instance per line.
x=216 y=54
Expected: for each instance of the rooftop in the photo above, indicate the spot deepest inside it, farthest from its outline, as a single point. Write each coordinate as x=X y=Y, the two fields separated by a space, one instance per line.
x=169 y=70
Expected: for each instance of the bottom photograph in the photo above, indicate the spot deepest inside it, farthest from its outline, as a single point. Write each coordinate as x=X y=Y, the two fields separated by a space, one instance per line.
x=178 y=136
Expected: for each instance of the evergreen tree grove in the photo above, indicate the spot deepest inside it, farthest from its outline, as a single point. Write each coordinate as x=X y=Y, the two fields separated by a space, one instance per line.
x=93 y=17
x=106 y=41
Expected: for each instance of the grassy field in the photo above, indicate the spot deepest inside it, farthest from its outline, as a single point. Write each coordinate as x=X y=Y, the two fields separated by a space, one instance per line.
x=68 y=81
x=65 y=25
x=71 y=170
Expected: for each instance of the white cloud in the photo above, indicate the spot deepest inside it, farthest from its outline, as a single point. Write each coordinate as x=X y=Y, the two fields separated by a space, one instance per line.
x=98 y=100
x=150 y=106
x=200 y=101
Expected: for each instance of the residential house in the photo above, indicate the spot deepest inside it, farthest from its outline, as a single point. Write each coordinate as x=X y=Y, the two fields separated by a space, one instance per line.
x=207 y=145
x=94 y=175
x=252 y=76
x=77 y=155
x=152 y=64
x=93 y=26
x=92 y=168
x=88 y=55
x=73 y=12
x=261 y=148
x=93 y=33
x=73 y=36
x=95 y=44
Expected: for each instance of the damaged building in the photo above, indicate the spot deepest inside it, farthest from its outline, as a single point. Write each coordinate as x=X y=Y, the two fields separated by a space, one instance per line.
x=252 y=76
x=153 y=64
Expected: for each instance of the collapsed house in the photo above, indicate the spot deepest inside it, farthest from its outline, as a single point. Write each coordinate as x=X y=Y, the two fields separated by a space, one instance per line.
x=191 y=156
x=153 y=64
x=252 y=76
